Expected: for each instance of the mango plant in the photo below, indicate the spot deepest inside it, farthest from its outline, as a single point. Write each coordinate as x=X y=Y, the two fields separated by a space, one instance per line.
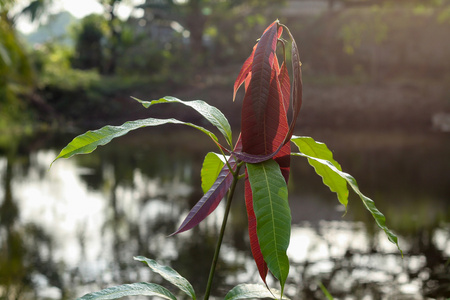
x=260 y=156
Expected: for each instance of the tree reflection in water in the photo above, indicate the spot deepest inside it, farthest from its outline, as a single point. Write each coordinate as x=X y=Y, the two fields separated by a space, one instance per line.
x=76 y=228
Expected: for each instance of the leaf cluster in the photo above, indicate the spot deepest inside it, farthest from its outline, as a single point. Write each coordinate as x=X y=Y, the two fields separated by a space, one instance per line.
x=262 y=150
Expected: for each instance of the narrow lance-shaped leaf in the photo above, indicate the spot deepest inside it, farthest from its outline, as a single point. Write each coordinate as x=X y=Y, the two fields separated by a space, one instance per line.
x=209 y=112
x=89 y=141
x=170 y=275
x=368 y=203
x=246 y=68
x=252 y=233
x=282 y=157
x=209 y=202
x=297 y=86
x=334 y=181
x=270 y=201
x=134 y=289
x=252 y=291
x=256 y=129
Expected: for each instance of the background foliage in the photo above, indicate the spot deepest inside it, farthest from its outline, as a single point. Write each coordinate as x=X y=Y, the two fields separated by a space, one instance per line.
x=51 y=75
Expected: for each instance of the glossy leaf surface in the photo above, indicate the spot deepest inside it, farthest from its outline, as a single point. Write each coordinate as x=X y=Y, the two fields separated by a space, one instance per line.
x=89 y=141
x=273 y=216
x=210 y=200
x=212 y=165
x=262 y=109
x=334 y=181
x=134 y=289
x=252 y=291
x=209 y=112
x=368 y=203
x=170 y=275
x=252 y=233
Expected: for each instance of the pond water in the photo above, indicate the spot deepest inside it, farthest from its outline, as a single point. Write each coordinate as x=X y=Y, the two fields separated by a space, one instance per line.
x=75 y=228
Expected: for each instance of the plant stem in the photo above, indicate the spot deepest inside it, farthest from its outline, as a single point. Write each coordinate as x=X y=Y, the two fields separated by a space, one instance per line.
x=221 y=234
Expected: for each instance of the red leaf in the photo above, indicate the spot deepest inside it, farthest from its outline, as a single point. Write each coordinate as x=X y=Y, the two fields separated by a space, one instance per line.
x=285 y=83
x=254 y=243
x=265 y=135
x=209 y=202
x=296 y=86
x=245 y=70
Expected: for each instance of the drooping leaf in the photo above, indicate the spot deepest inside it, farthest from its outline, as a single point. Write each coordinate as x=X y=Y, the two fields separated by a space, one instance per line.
x=334 y=181
x=170 y=275
x=209 y=112
x=212 y=165
x=210 y=200
x=253 y=237
x=252 y=291
x=134 y=289
x=89 y=141
x=368 y=203
x=273 y=216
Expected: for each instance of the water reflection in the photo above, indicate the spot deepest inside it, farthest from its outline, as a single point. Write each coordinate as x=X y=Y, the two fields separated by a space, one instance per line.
x=75 y=228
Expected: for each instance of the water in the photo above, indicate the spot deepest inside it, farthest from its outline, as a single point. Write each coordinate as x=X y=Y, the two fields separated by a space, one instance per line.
x=75 y=228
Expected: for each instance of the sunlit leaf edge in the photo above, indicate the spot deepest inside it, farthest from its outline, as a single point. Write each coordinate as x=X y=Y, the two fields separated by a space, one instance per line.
x=320 y=150
x=169 y=274
x=209 y=112
x=133 y=289
x=90 y=140
x=368 y=203
x=251 y=291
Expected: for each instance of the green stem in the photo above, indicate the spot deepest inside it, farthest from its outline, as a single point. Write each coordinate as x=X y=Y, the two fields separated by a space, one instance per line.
x=221 y=234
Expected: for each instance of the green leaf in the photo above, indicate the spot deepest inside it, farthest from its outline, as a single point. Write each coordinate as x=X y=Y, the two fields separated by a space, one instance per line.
x=368 y=203
x=89 y=141
x=212 y=165
x=211 y=113
x=273 y=215
x=251 y=291
x=134 y=289
x=170 y=275
x=336 y=183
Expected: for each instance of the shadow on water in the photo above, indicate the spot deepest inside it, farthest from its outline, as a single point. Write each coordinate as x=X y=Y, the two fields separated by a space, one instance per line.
x=75 y=228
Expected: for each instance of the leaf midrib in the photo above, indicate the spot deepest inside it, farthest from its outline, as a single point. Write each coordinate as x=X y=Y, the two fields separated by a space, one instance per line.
x=272 y=219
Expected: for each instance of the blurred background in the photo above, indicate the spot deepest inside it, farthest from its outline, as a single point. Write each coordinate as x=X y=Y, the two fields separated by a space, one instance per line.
x=376 y=76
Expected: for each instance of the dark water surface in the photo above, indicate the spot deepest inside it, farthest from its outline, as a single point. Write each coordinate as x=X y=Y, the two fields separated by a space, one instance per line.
x=76 y=227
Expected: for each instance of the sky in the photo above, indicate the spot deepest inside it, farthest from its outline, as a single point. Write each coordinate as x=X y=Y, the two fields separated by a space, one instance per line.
x=78 y=8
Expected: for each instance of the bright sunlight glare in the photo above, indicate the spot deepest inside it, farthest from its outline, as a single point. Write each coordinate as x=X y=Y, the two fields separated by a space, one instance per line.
x=79 y=9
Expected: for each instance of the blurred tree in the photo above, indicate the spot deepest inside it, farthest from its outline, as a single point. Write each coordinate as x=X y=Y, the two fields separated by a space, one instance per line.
x=198 y=17
x=114 y=29
x=89 y=36
x=36 y=9
x=16 y=76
